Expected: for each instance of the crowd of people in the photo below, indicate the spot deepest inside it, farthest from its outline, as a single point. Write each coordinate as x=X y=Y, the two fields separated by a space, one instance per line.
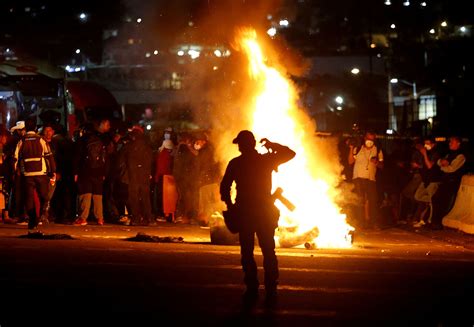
x=103 y=175
x=109 y=175
x=416 y=183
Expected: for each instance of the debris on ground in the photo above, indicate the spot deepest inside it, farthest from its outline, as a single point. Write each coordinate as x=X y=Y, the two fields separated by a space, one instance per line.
x=41 y=236
x=143 y=237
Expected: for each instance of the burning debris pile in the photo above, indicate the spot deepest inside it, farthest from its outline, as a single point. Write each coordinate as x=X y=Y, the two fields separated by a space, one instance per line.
x=309 y=213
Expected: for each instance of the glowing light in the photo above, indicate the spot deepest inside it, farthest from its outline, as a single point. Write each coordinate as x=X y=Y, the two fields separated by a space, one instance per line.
x=373 y=46
x=78 y=51
x=463 y=29
x=339 y=99
x=393 y=26
x=339 y=108
x=387 y=2
x=389 y=131
x=180 y=53
x=139 y=20
x=432 y=31
x=307 y=180
x=83 y=16
x=284 y=22
x=423 y=4
x=148 y=127
x=272 y=31
x=194 y=54
x=406 y=3
x=355 y=70
x=444 y=24
x=155 y=52
x=218 y=53
x=215 y=68
x=394 y=80
x=148 y=55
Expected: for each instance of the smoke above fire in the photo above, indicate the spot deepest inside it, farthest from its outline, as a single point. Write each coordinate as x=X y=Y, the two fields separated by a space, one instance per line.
x=255 y=90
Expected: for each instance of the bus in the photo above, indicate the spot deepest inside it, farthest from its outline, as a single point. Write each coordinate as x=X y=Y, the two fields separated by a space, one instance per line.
x=34 y=88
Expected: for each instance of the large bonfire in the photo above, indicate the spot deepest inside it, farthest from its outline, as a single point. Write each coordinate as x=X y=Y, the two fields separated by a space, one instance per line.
x=315 y=218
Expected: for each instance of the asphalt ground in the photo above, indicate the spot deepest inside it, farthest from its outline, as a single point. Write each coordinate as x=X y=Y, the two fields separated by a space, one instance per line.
x=390 y=277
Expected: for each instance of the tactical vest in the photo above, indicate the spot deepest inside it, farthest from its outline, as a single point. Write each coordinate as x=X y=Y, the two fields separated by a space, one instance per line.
x=31 y=154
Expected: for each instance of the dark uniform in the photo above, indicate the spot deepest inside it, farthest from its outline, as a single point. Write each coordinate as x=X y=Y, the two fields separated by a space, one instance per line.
x=252 y=173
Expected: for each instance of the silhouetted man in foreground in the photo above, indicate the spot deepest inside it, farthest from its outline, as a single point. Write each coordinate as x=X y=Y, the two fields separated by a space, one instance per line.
x=254 y=208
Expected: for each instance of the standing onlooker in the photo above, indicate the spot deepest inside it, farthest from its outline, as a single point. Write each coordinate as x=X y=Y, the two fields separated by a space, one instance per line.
x=3 y=179
x=208 y=179
x=63 y=202
x=16 y=205
x=366 y=160
x=431 y=175
x=452 y=167
x=139 y=158
x=163 y=166
x=407 y=200
x=185 y=174
x=48 y=133
x=36 y=163
x=89 y=172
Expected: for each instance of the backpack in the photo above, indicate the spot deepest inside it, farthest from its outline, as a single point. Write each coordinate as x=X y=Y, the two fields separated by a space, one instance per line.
x=95 y=153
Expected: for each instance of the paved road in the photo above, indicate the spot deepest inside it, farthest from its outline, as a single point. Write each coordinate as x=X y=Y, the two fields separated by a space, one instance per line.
x=391 y=277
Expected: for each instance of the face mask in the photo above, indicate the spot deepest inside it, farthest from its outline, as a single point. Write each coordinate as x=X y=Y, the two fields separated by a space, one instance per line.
x=197 y=147
x=428 y=147
x=369 y=143
x=167 y=136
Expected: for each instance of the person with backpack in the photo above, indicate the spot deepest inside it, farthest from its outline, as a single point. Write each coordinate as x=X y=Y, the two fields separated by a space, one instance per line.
x=89 y=172
x=37 y=167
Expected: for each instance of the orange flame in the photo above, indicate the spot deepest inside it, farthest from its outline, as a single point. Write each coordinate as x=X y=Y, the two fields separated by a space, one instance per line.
x=277 y=117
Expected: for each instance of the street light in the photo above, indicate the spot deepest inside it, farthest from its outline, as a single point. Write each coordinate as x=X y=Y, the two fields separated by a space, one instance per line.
x=391 y=115
x=413 y=85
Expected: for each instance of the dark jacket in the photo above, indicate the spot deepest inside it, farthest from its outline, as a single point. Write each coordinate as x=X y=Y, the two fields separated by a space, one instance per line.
x=138 y=157
x=90 y=157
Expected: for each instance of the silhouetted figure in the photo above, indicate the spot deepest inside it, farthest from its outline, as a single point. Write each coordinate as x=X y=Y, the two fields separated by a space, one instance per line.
x=254 y=207
x=453 y=167
x=138 y=159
